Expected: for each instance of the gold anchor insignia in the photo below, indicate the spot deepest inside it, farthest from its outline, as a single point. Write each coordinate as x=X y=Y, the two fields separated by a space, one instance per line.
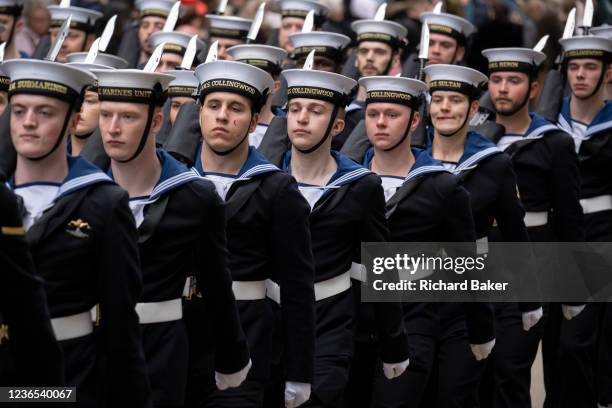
x=4 y=332
x=78 y=228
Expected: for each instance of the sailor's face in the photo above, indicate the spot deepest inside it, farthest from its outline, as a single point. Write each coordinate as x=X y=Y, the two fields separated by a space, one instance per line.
x=175 y=106
x=122 y=125
x=508 y=90
x=289 y=25
x=6 y=21
x=448 y=110
x=222 y=46
x=583 y=76
x=75 y=41
x=36 y=123
x=386 y=123
x=3 y=102
x=225 y=119
x=149 y=25
x=307 y=121
x=169 y=61
x=443 y=50
x=90 y=113
x=374 y=58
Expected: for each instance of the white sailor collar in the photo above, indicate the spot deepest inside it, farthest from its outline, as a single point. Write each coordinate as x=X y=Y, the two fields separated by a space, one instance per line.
x=255 y=165
x=538 y=127
x=423 y=163
x=347 y=170
x=81 y=174
x=600 y=123
x=173 y=174
x=476 y=149
x=354 y=106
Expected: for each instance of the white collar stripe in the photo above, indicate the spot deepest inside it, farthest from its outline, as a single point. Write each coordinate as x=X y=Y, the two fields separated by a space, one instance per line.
x=172 y=182
x=82 y=181
x=539 y=131
x=424 y=170
x=598 y=128
x=477 y=157
x=349 y=176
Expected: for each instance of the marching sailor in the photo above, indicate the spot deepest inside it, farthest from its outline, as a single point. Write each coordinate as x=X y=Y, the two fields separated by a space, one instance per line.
x=26 y=336
x=489 y=178
x=379 y=47
x=293 y=14
x=587 y=116
x=424 y=203
x=228 y=31
x=90 y=110
x=448 y=35
x=176 y=44
x=82 y=28
x=268 y=240
x=135 y=47
x=546 y=167
x=169 y=200
x=81 y=234
x=182 y=89
x=269 y=59
x=347 y=208
x=330 y=49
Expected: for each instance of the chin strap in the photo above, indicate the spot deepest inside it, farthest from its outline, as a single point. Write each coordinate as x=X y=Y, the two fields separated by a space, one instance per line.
x=145 y=134
x=523 y=103
x=226 y=152
x=405 y=133
x=61 y=135
x=467 y=115
x=332 y=119
x=602 y=74
x=84 y=135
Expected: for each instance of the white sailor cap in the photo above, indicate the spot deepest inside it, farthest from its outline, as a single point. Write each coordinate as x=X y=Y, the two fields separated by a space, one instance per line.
x=301 y=8
x=82 y=19
x=325 y=44
x=102 y=59
x=47 y=78
x=132 y=86
x=443 y=77
x=524 y=60
x=176 y=42
x=391 y=89
x=449 y=24
x=266 y=57
x=321 y=85
x=154 y=8
x=5 y=81
x=235 y=77
x=587 y=46
x=602 y=31
x=385 y=31
x=11 y=7
x=232 y=27
x=185 y=83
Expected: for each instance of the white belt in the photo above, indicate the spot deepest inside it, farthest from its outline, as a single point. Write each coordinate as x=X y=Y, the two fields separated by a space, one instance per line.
x=358 y=272
x=536 y=219
x=71 y=327
x=158 y=312
x=596 y=204
x=323 y=289
x=482 y=246
x=249 y=290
